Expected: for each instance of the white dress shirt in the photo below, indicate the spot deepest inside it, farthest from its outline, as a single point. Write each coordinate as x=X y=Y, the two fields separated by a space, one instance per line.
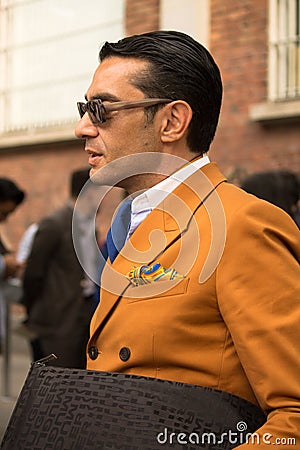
x=143 y=204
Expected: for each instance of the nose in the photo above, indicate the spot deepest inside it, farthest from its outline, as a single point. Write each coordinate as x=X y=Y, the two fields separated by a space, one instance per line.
x=85 y=128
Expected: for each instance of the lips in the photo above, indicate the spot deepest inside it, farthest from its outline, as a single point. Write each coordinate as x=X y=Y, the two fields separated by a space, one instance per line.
x=94 y=157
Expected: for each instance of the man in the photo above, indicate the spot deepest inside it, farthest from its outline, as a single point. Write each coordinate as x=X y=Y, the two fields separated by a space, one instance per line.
x=58 y=295
x=206 y=289
x=11 y=196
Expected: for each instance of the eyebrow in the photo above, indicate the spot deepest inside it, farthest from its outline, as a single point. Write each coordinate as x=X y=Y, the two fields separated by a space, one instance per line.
x=104 y=97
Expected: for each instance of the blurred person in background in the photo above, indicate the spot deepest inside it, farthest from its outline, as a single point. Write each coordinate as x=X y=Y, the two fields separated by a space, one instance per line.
x=280 y=187
x=11 y=196
x=25 y=244
x=22 y=253
x=57 y=292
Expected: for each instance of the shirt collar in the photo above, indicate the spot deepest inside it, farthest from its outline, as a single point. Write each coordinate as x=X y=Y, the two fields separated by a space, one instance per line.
x=149 y=199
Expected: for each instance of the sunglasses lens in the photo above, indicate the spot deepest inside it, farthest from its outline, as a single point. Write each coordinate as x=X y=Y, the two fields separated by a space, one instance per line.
x=96 y=111
x=81 y=108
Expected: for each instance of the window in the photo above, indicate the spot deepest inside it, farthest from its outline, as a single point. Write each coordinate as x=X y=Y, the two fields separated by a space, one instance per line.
x=48 y=52
x=284 y=50
x=283 y=101
x=189 y=16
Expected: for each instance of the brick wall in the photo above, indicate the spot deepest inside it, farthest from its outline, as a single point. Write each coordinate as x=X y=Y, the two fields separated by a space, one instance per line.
x=43 y=171
x=141 y=16
x=239 y=45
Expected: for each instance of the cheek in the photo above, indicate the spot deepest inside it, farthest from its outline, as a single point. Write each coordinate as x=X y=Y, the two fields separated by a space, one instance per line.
x=128 y=141
x=135 y=137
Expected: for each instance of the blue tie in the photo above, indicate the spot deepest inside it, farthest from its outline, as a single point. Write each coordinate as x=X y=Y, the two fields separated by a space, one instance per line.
x=117 y=233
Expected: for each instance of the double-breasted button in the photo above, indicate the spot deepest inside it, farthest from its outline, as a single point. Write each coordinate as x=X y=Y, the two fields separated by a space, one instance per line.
x=93 y=352
x=124 y=354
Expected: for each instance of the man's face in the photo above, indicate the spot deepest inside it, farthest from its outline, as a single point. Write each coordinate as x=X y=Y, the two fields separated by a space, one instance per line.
x=125 y=132
x=6 y=208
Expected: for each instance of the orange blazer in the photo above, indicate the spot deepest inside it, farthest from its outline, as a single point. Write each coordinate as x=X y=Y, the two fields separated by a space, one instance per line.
x=233 y=321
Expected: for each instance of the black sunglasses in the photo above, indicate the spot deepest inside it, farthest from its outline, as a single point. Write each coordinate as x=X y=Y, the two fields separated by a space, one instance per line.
x=97 y=111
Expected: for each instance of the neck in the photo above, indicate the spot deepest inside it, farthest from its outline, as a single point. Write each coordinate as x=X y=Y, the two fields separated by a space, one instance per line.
x=142 y=182
x=169 y=164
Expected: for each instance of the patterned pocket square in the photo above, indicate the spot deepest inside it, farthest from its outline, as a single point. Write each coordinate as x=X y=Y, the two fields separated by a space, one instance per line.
x=149 y=274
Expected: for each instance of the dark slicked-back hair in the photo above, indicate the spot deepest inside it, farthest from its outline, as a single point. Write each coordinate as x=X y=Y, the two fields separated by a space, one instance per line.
x=180 y=69
x=9 y=191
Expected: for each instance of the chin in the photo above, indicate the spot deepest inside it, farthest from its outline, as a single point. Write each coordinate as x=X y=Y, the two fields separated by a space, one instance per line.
x=93 y=170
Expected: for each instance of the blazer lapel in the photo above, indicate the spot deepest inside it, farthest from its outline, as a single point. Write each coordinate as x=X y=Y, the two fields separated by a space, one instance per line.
x=169 y=219
x=162 y=227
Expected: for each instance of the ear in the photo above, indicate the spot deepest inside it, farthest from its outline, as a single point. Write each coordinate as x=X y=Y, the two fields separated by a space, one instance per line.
x=177 y=117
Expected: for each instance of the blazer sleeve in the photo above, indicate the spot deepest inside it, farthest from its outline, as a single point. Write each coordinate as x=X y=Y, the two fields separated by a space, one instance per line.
x=258 y=288
x=45 y=243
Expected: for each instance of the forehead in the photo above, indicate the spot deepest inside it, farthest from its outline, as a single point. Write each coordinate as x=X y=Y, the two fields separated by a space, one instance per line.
x=114 y=76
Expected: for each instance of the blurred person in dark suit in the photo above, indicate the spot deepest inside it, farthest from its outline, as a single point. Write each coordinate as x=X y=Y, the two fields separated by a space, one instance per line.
x=57 y=291
x=280 y=187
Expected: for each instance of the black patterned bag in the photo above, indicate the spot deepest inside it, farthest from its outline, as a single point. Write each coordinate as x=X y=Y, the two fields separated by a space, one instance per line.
x=66 y=409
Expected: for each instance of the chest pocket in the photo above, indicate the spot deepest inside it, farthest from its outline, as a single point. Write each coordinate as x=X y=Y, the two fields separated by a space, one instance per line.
x=157 y=289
